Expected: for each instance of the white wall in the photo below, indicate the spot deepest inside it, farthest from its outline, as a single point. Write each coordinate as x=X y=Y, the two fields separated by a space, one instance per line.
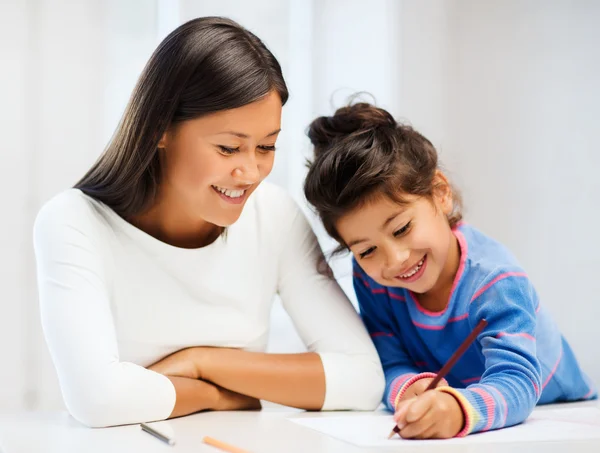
x=43 y=129
x=15 y=168
x=507 y=90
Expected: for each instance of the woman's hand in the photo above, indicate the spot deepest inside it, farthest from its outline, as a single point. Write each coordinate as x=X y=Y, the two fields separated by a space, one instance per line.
x=184 y=363
x=232 y=401
x=188 y=363
x=432 y=415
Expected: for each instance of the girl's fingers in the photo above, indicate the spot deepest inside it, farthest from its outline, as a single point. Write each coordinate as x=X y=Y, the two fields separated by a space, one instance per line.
x=419 y=407
x=401 y=410
x=430 y=433
x=420 y=428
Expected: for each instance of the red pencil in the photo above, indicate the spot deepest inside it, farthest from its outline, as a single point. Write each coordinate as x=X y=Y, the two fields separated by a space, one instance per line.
x=450 y=363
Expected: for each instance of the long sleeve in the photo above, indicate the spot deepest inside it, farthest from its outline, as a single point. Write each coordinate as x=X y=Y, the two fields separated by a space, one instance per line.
x=326 y=321
x=399 y=369
x=511 y=384
x=98 y=389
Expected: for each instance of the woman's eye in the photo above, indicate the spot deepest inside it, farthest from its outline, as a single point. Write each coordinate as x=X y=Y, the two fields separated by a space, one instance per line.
x=402 y=230
x=367 y=252
x=267 y=148
x=227 y=150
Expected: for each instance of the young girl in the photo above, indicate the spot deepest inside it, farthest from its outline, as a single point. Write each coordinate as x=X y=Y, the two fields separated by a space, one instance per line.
x=424 y=280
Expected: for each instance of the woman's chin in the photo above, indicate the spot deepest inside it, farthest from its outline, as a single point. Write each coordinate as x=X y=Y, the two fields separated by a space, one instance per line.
x=225 y=219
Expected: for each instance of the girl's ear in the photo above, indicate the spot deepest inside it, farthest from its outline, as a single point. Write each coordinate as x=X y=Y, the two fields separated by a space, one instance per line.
x=442 y=193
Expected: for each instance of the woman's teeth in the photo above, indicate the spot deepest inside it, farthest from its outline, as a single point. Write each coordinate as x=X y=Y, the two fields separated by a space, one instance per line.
x=416 y=269
x=231 y=193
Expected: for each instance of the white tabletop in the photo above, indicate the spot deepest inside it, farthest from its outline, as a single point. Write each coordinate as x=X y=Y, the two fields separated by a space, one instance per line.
x=267 y=431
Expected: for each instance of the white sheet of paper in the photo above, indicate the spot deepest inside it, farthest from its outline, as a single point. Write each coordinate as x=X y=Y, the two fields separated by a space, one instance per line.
x=371 y=430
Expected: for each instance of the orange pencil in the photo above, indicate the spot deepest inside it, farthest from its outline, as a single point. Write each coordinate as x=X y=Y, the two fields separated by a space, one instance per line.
x=222 y=445
x=450 y=363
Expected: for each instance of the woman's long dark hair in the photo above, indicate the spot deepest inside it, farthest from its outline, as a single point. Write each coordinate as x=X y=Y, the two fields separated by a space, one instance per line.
x=206 y=65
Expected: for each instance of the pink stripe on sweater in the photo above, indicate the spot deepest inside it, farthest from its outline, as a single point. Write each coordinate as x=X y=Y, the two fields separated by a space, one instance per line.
x=473 y=379
x=396 y=296
x=427 y=326
x=464 y=250
x=490 y=404
x=459 y=318
x=553 y=370
x=377 y=290
x=496 y=280
x=522 y=334
x=505 y=414
x=537 y=389
x=381 y=334
x=588 y=394
x=360 y=277
x=397 y=385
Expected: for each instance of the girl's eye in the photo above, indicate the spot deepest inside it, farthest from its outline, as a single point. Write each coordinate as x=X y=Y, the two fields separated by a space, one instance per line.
x=366 y=252
x=402 y=230
x=267 y=148
x=226 y=150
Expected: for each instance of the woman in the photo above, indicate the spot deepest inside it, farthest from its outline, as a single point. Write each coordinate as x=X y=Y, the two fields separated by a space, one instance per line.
x=158 y=270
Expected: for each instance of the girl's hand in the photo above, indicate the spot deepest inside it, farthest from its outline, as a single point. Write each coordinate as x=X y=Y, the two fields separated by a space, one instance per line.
x=418 y=388
x=184 y=363
x=432 y=415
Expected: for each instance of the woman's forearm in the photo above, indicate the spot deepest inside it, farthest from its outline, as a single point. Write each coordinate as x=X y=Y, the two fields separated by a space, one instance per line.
x=193 y=396
x=296 y=380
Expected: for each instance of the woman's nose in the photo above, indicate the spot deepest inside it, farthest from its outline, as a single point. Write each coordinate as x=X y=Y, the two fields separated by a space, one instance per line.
x=247 y=172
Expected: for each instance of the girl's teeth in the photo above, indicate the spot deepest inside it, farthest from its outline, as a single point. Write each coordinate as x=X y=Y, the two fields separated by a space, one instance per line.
x=230 y=193
x=414 y=271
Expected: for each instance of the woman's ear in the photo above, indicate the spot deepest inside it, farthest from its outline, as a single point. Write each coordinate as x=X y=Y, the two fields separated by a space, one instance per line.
x=162 y=143
x=442 y=193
